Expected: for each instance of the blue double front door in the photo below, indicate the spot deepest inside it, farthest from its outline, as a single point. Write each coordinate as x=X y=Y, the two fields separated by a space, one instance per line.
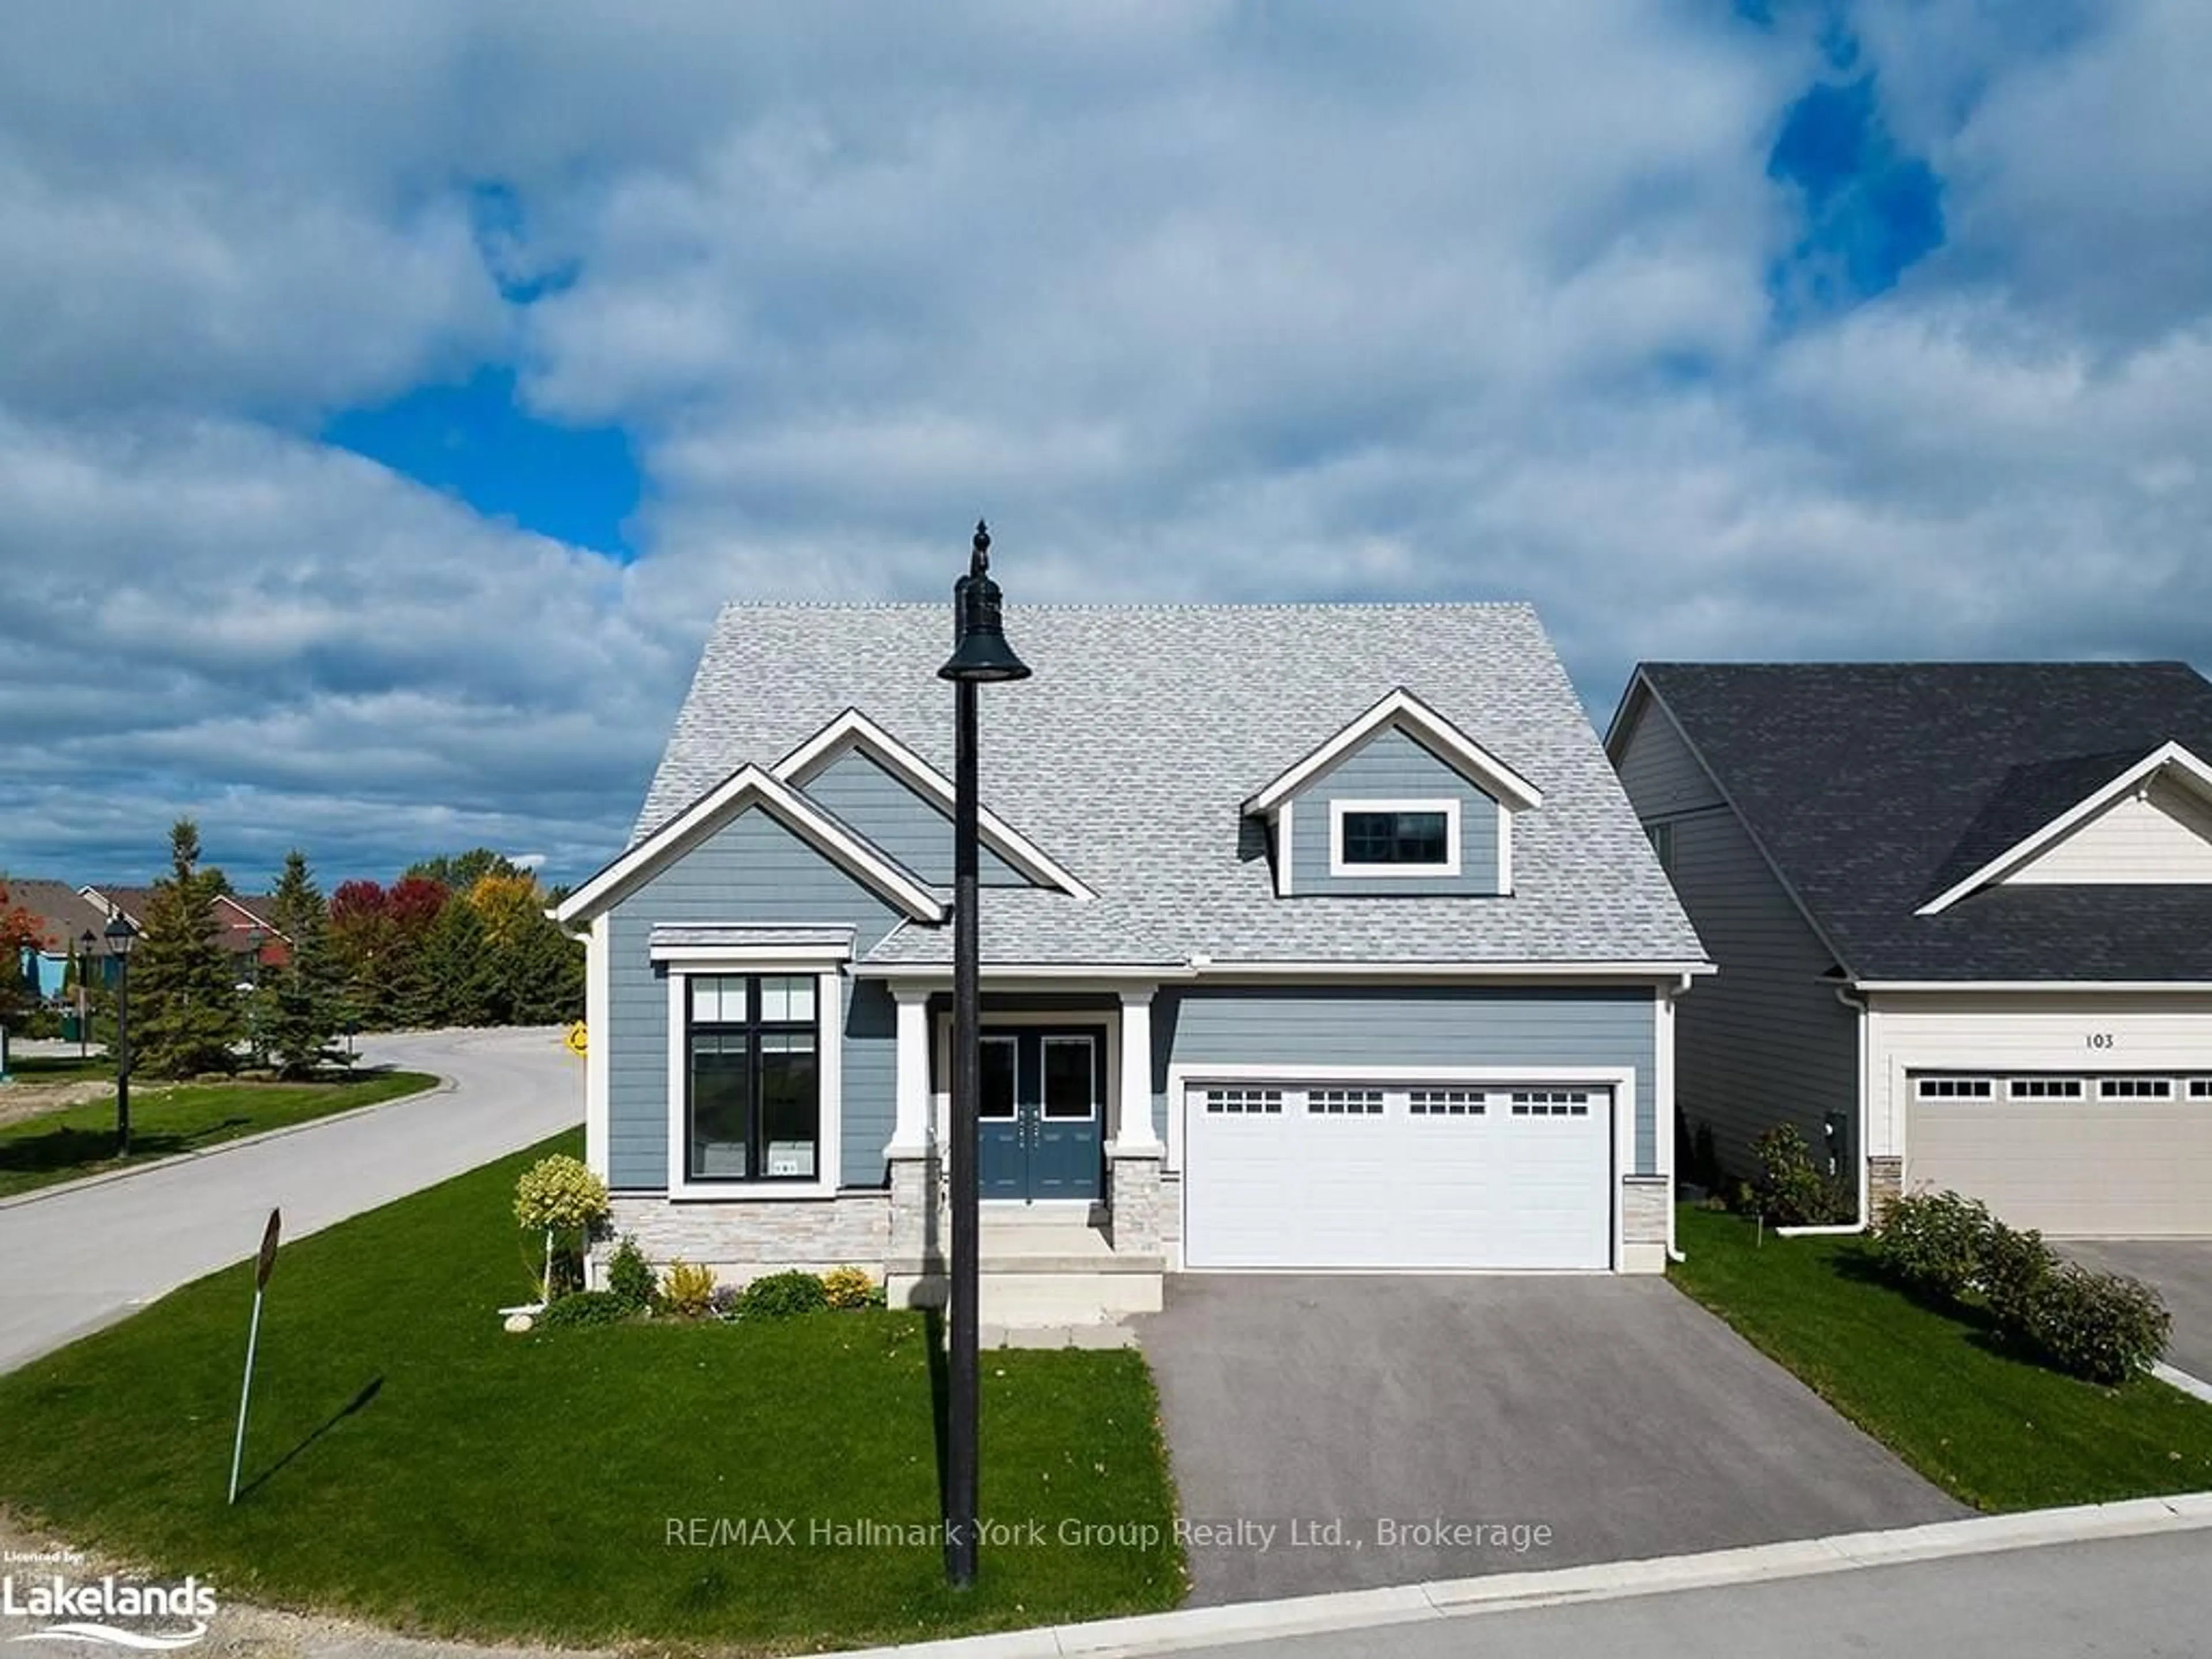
x=1038 y=1119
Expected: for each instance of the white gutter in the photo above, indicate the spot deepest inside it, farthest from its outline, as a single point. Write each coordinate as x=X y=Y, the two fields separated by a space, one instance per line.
x=1842 y=1230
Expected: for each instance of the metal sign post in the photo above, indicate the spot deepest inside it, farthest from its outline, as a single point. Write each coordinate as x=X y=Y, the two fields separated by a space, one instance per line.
x=262 y=1265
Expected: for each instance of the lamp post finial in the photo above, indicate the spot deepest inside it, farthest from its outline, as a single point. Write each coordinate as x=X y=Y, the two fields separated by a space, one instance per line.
x=978 y=562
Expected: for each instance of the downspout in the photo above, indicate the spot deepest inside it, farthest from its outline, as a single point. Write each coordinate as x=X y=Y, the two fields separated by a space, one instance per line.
x=1857 y=1005
x=1673 y=1250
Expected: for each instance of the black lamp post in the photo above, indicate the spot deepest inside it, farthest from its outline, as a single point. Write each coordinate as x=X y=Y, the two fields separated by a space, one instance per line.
x=85 y=941
x=121 y=935
x=980 y=655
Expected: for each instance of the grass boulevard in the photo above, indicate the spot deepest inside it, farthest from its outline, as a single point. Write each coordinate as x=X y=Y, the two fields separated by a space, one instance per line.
x=770 y=1485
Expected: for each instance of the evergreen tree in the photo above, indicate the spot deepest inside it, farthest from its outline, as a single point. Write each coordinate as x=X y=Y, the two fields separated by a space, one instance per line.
x=187 y=1016
x=302 y=1003
x=457 y=966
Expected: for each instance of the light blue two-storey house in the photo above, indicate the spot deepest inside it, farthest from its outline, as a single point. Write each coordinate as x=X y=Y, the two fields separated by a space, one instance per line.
x=1314 y=936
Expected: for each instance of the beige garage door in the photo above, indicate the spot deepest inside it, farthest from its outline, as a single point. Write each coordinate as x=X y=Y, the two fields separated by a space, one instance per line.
x=2097 y=1155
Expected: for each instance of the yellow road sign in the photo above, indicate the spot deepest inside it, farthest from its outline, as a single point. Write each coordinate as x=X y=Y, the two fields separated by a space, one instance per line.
x=577 y=1040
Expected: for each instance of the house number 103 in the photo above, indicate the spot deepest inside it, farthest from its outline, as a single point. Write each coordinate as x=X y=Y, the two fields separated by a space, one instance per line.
x=2100 y=1039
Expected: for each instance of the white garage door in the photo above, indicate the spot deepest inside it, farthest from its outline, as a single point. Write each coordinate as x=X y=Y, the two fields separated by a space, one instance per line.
x=2088 y=1155
x=1344 y=1175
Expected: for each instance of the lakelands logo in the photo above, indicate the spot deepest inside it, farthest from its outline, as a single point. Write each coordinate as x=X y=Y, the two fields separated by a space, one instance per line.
x=83 y=1612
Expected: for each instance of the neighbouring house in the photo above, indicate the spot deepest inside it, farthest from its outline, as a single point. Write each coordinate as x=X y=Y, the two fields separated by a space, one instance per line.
x=1963 y=917
x=1314 y=936
x=243 y=924
x=64 y=916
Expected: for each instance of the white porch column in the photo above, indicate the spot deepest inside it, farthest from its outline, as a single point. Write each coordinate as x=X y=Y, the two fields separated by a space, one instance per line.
x=910 y=1137
x=1133 y=1132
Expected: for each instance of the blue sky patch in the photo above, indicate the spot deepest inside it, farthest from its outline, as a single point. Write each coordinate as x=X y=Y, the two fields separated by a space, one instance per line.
x=1871 y=211
x=577 y=485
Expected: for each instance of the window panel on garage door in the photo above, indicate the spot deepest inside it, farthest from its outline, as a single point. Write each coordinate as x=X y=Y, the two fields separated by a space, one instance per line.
x=2090 y=1154
x=1286 y=1173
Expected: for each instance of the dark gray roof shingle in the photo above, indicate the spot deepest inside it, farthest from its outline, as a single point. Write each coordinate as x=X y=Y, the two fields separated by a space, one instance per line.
x=1873 y=787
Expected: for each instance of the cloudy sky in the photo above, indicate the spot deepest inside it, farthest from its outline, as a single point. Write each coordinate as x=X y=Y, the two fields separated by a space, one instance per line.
x=390 y=394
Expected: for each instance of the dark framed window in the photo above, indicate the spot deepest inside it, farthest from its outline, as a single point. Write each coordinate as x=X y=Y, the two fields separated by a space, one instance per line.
x=754 y=1080
x=1397 y=837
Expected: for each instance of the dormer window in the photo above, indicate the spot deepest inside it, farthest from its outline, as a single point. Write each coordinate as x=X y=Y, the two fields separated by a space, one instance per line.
x=1393 y=837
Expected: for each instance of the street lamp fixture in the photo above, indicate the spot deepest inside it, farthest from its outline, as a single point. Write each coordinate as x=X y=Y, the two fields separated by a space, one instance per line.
x=981 y=656
x=121 y=936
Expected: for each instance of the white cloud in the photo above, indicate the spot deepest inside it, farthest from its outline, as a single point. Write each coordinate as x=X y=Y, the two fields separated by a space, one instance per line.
x=1195 y=301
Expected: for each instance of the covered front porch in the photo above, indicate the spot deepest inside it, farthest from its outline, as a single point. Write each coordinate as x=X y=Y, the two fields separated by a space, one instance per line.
x=1069 y=1156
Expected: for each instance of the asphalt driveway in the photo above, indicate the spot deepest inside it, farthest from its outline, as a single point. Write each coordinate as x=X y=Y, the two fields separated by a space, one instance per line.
x=2181 y=1271
x=1615 y=1413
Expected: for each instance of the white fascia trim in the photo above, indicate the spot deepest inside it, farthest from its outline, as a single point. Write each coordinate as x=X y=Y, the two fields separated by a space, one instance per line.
x=854 y=730
x=745 y=786
x=1402 y=708
x=2133 y=987
x=599 y=999
x=1339 y=806
x=829 y=1063
x=2024 y=851
x=1286 y=845
x=1063 y=976
x=1323 y=972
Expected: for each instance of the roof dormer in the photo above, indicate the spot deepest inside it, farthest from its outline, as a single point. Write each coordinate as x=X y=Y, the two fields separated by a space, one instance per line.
x=1399 y=803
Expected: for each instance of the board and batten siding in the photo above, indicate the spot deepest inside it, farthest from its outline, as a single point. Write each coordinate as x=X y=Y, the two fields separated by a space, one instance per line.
x=750 y=870
x=1612 y=1027
x=860 y=792
x=2163 y=837
x=1392 y=766
x=1764 y=1041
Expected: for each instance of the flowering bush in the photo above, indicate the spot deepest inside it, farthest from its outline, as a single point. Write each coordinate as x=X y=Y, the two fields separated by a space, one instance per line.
x=1933 y=1242
x=848 y=1287
x=2102 y=1326
x=560 y=1192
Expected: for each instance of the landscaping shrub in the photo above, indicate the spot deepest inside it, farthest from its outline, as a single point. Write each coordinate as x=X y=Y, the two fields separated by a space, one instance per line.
x=778 y=1296
x=848 y=1287
x=629 y=1275
x=1933 y=1242
x=1793 y=1190
x=2014 y=1265
x=723 y=1304
x=687 y=1290
x=2101 y=1327
x=560 y=1192
x=585 y=1308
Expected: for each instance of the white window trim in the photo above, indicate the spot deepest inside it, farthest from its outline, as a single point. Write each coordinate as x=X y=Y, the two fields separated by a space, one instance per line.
x=830 y=1045
x=1338 y=865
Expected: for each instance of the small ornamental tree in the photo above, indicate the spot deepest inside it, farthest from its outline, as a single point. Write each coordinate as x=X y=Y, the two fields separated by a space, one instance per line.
x=21 y=935
x=187 y=1017
x=560 y=1195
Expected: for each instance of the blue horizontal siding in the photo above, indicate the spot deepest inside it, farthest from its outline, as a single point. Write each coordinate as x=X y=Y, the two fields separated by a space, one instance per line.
x=1614 y=1027
x=750 y=870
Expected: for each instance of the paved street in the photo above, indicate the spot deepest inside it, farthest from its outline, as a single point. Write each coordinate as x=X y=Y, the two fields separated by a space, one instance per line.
x=73 y=1260
x=2145 y=1597
x=1615 y=1413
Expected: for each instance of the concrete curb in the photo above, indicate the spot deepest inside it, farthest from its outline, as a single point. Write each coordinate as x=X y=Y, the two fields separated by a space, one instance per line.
x=444 y=1085
x=1259 y=1621
x=2174 y=1377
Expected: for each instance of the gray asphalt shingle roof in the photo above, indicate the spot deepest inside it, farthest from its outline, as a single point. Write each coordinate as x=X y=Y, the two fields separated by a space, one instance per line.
x=1129 y=755
x=1875 y=787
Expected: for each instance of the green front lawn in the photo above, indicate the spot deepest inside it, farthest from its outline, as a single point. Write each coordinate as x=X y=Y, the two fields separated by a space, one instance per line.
x=61 y=1068
x=1992 y=1428
x=80 y=1141
x=410 y=1463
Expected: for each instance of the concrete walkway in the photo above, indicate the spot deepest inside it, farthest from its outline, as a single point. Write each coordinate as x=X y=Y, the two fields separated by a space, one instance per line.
x=77 y=1257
